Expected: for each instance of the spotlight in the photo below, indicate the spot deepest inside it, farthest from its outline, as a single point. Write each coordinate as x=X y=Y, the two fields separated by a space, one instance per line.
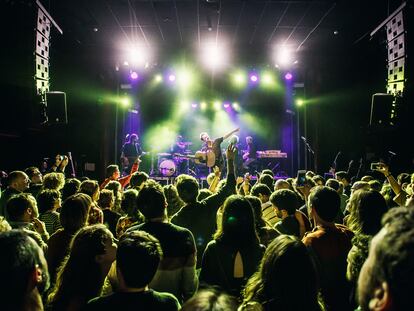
x=125 y=102
x=217 y=105
x=203 y=105
x=239 y=79
x=138 y=55
x=254 y=78
x=226 y=105
x=184 y=78
x=288 y=76
x=214 y=57
x=194 y=105
x=171 y=77
x=158 y=78
x=283 y=56
x=133 y=75
x=267 y=79
x=235 y=106
x=126 y=63
x=299 y=102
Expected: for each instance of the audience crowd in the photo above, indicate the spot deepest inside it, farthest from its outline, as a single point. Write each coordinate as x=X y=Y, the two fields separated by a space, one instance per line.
x=265 y=243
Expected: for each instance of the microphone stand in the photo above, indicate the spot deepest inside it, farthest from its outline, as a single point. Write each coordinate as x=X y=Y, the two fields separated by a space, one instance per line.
x=309 y=151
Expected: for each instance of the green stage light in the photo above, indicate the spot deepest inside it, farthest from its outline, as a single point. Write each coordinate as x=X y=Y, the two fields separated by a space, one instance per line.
x=239 y=79
x=300 y=102
x=185 y=78
x=236 y=106
x=125 y=101
x=217 y=105
x=158 y=78
x=203 y=106
x=268 y=79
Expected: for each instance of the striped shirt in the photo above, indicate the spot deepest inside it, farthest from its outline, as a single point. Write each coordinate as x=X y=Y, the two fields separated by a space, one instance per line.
x=51 y=220
x=269 y=213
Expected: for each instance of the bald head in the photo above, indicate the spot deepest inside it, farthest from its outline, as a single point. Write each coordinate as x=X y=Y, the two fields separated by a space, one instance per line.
x=19 y=180
x=281 y=184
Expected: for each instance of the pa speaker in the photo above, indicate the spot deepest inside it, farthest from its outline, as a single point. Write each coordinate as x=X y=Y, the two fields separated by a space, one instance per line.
x=56 y=108
x=382 y=110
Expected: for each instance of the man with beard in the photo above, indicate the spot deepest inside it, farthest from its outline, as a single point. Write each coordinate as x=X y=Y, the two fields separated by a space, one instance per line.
x=386 y=278
x=24 y=272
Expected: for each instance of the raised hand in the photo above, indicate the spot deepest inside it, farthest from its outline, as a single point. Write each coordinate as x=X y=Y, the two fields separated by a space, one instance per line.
x=231 y=152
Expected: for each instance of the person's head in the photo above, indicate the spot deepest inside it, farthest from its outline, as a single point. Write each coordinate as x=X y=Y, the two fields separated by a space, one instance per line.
x=366 y=207
x=19 y=181
x=319 y=180
x=34 y=175
x=138 y=179
x=281 y=184
x=151 y=202
x=112 y=172
x=367 y=178
x=267 y=180
x=333 y=183
x=403 y=178
x=343 y=177
x=204 y=137
x=187 y=187
x=249 y=140
x=116 y=188
x=22 y=207
x=137 y=259
x=129 y=204
x=359 y=185
x=133 y=138
x=70 y=188
x=286 y=278
x=204 y=194
x=174 y=203
x=24 y=271
x=91 y=188
x=106 y=199
x=385 y=281
x=261 y=191
x=82 y=274
x=210 y=300
x=375 y=185
x=285 y=202
x=237 y=224
x=267 y=172
x=74 y=213
x=48 y=200
x=257 y=210
x=324 y=204
x=54 y=181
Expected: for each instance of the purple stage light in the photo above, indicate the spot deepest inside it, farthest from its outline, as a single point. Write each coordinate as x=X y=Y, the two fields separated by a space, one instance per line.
x=288 y=76
x=253 y=78
x=171 y=77
x=133 y=75
x=194 y=105
x=226 y=105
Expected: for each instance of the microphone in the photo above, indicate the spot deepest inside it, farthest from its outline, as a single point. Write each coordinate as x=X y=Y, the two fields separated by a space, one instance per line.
x=392 y=153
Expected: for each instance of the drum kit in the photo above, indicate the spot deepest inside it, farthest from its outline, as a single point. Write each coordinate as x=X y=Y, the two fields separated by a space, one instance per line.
x=173 y=164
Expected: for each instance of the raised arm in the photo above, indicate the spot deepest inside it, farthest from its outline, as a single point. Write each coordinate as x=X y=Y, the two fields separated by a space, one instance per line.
x=231 y=133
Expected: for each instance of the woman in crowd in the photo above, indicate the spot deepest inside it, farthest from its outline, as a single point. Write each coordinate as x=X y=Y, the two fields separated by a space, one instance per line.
x=82 y=275
x=235 y=252
x=129 y=207
x=286 y=279
x=74 y=215
x=91 y=188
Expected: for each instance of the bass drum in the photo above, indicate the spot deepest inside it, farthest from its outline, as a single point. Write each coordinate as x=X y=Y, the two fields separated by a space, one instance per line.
x=167 y=168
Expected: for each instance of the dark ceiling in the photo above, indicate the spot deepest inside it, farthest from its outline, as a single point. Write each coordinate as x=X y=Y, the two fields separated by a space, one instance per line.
x=298 y=24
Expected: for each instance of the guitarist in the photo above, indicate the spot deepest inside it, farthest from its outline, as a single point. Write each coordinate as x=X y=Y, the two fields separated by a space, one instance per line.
x=130 y=151
x=215 y=146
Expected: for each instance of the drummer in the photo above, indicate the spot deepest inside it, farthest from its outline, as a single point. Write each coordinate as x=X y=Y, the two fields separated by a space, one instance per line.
x=179 y=146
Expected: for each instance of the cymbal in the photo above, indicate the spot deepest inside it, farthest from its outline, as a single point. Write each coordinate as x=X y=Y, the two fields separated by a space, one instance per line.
x=163 y=154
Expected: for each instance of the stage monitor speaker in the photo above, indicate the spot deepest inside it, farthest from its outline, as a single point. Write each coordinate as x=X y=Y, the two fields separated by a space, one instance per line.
x=56 y=108
x=382 y=110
